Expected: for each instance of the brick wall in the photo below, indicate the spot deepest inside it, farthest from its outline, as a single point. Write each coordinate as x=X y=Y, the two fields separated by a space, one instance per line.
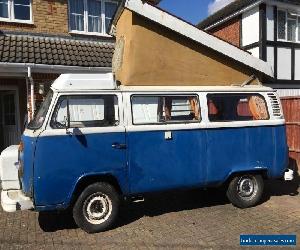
x=49 y=16
x=229 y=31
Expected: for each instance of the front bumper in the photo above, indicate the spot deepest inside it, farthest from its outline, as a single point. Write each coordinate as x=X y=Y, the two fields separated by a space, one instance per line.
x=14 y=200
x=9 y=168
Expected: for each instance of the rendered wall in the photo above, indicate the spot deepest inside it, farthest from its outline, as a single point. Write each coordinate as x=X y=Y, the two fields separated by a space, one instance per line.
x=250 y=26
x=154 y=55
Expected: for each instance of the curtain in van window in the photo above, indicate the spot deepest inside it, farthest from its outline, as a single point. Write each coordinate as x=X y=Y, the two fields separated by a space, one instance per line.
x=81 y=110
x=258 y=108
x=145 y=109
x=236 y=107
x=165 y=109
x=86 y=111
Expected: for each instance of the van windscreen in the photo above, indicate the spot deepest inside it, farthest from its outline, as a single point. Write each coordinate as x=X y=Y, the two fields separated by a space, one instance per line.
x=40 y=116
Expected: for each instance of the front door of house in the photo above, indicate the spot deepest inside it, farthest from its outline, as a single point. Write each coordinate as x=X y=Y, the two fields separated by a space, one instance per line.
x=9 y=119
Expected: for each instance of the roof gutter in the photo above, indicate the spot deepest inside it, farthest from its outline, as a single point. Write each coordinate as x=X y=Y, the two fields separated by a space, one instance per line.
x=54 y=69
x=234 y=15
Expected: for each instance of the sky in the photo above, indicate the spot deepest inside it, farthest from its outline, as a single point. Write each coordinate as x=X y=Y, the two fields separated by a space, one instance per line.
x=193 y=10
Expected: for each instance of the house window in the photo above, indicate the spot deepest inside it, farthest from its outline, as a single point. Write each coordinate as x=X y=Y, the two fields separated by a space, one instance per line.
x=15 y=10
x=281 y=25
x=91 y=16
x=288 y=26
x=298 y=29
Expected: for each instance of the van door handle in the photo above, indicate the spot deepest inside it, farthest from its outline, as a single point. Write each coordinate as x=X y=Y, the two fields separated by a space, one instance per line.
x=118 y=146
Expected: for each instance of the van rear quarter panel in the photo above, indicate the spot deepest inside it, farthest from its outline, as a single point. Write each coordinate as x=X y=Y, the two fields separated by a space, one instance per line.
x=235 y=150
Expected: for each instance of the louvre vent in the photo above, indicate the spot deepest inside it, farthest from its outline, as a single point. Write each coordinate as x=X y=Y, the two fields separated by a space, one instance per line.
x=275 y=105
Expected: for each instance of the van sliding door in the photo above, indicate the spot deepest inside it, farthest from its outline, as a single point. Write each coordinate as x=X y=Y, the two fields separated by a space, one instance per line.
x=166 y=143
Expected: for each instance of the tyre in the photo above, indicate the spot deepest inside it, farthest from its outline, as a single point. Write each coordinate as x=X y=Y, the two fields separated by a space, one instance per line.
x=96 y=209
x=245 y=190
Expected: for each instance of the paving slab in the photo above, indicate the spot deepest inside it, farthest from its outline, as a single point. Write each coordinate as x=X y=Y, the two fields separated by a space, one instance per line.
x=194 y=219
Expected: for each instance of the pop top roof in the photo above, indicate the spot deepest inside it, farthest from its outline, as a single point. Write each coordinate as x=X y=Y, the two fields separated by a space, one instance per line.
x=190 y=31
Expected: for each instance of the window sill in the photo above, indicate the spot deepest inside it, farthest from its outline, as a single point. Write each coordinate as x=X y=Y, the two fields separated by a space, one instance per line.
x=73 y=32
x=16 y=21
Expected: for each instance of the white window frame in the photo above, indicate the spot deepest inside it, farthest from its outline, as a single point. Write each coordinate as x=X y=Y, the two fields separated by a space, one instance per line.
x=85 y=19
x=286 y=27
x=160 y=124
x=11 y=14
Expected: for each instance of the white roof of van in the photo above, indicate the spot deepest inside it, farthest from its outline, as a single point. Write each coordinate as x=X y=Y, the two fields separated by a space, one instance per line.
x=106 y=81
x=77 y=82
x=247 y=88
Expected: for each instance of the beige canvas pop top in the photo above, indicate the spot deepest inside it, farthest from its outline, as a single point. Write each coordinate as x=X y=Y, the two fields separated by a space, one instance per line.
x=156 y=48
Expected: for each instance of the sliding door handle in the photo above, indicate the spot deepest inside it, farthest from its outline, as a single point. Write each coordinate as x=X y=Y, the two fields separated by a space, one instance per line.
x=119 y=146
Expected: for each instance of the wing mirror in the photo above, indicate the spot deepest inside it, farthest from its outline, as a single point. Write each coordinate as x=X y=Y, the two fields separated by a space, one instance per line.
x=66 y=124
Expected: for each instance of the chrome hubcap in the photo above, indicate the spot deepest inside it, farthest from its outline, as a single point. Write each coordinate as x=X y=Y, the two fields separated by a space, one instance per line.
x=247 y=187
x=97 y=208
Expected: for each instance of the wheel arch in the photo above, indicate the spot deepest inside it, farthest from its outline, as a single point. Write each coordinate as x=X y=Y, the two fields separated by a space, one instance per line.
x=263 y=172
x=87 y=180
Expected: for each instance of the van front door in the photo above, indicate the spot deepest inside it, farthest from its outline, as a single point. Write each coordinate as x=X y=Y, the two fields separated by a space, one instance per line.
x=166 y=144
x=92 y=145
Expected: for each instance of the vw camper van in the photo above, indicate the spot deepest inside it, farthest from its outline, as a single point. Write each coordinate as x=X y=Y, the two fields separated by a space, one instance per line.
x=93 y=143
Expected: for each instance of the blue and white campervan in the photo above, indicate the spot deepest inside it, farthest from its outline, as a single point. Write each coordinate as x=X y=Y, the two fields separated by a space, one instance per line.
x=93 y=142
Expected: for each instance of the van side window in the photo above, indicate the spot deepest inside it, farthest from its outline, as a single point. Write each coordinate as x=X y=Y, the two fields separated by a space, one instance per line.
x=236 y=107
x=86 y=111
x=165 y=109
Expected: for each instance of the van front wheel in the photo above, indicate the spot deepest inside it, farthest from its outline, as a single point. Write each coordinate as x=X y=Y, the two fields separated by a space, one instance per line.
x=96 y=209
x=245 y=190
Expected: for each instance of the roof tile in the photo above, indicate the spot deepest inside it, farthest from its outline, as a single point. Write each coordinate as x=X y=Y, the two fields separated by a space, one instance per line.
x=58 y=51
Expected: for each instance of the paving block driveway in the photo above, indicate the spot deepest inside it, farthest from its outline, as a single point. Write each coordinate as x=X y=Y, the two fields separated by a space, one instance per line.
x=182 y=220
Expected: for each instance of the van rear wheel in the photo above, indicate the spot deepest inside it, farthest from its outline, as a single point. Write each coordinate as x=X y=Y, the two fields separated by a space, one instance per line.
x=245 y=190
x=96 y=209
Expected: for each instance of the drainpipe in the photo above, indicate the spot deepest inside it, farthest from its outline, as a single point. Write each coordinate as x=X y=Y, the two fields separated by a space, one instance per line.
x=27 y=103
x=31 y=93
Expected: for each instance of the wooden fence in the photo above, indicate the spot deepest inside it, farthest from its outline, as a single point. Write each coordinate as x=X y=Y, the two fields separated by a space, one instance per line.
x=291 y=109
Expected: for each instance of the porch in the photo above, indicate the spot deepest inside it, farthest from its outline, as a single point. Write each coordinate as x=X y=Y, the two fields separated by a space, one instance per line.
x=16 y=106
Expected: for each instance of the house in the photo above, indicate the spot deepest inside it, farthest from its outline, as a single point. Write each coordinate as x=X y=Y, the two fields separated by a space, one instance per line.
x=177 y=53
x=40 y=39
x=269 y=30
